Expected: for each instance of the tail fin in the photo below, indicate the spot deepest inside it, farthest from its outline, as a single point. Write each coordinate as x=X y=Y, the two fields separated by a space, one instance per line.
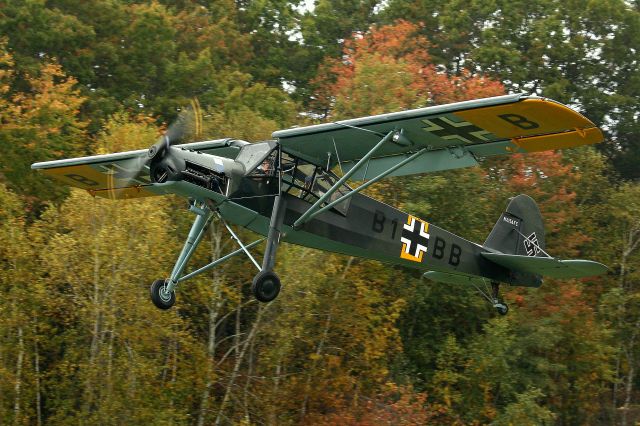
x=517 y=244
x=519 y=230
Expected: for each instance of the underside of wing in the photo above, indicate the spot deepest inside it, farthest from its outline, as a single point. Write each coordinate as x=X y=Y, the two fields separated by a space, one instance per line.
x=452 y=135
x=548 y=266
x=124 y=174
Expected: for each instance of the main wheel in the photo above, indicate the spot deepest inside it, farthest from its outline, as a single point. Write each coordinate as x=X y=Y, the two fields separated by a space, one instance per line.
x=266 y=286
x=502 y=308
x=161 y=298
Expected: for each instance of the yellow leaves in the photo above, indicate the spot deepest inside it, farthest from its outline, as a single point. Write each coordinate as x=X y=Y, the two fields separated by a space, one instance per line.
x=315 y=357
x=125 y=133
x=51 y=102
x=53 y=99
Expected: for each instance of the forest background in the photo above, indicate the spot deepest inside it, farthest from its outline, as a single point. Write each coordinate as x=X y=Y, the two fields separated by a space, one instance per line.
x=349 y=341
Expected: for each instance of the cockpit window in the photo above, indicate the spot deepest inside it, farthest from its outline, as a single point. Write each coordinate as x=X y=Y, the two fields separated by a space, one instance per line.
x=299 y=178
x=310 y=182
x=266 y=167
x=251 y=156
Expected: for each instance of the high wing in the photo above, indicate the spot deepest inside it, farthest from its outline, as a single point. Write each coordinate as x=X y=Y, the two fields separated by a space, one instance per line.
x=124 y=174
x=452 y=135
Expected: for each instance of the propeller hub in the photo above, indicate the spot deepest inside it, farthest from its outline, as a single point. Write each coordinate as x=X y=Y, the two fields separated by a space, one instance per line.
x=153 y=150
x=162 y=145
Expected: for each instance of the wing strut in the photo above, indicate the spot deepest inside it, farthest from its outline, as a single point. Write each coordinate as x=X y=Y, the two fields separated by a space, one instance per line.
x=306 y=216
x=367 y=184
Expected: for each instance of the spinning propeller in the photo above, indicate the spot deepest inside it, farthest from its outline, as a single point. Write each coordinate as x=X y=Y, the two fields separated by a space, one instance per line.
x=163 y=164
x=189 y=120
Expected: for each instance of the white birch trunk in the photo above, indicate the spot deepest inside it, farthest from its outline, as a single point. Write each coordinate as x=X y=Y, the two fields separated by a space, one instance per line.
x=321 y=343
x=236 y=368
x=36 y=362
x=215 y=304
x=18 y=385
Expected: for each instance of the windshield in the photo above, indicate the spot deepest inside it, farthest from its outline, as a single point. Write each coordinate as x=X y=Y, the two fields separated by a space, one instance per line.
x=251 y=156
x=310 y=182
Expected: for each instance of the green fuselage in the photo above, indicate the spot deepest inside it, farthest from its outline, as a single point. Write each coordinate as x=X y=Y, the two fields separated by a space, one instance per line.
x=369 y=229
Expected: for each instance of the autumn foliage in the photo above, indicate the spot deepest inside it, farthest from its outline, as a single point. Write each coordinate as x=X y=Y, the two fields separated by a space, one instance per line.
x=349 y=341
x=389 y=69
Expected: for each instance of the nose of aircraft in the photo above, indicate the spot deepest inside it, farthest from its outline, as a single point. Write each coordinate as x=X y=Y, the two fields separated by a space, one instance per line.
x=208 y=171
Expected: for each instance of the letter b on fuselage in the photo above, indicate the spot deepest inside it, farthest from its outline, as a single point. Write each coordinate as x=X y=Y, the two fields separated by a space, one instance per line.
x=439 y=248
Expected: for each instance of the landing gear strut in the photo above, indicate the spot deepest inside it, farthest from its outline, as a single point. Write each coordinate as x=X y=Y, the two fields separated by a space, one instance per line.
x=501 y=307
x=492 y=298
x=162 y=291
x=266 y=285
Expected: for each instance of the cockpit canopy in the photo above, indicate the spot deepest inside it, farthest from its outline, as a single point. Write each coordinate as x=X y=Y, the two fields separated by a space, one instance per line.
x=253 y=155
x=299 y=178
x=310 y=182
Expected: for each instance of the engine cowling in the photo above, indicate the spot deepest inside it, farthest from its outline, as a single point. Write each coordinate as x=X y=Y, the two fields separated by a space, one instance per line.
x=205 y=170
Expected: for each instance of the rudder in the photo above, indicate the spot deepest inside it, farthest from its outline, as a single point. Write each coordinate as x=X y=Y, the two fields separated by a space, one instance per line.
x=519 y=230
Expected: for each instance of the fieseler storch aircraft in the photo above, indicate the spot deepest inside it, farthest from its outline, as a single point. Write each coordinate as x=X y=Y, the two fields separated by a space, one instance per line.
x=285 y=189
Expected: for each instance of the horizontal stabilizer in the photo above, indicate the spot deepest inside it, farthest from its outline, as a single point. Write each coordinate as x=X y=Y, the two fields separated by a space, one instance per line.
x=445 y=277
x=547 y=266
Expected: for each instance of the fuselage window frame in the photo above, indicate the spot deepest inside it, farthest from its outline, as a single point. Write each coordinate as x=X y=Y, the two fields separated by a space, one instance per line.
x=306 y=184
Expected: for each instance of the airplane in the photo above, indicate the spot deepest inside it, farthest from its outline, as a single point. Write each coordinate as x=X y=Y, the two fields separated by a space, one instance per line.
x=294 y=189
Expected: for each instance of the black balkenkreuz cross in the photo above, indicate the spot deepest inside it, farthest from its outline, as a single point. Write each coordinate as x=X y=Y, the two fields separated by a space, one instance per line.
x=415 y=239
x=462 y=131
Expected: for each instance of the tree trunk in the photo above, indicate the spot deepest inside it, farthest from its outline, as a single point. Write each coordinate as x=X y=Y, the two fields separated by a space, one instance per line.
x=95 y=336
x=236 y=368
x=108 y=398
x=36 y=362
x=628 y=390
x=245 y=399
x=215 y=304
x=273 y=419
x=631 y=361
x=238 y=327
x=614 y=396
x=630 y=243
x=211 y=349
x=174 y=372
x=18 y=385
x=321 y=342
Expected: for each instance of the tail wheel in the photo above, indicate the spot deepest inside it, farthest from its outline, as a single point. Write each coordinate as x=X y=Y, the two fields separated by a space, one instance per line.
x=502 y=308
x=266 y=286
x=160 y=297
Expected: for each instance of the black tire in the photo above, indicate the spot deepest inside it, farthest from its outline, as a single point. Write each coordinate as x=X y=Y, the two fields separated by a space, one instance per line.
x=159 y=298
x=266 y=286
x=502 y=309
